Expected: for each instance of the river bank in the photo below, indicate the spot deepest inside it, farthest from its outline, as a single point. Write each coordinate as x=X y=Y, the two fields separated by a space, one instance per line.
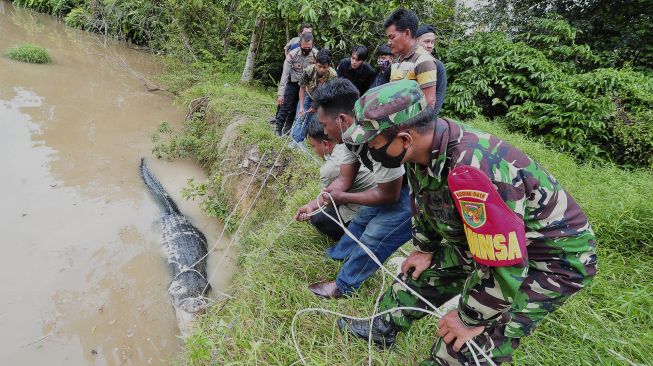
x=605 y=325
x=85 y=277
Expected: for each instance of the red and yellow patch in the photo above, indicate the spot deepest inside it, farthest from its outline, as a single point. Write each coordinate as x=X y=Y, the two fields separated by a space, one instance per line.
x=495 y=234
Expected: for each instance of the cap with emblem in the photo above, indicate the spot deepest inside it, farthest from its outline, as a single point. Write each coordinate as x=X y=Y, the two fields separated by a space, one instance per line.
x=382 y=107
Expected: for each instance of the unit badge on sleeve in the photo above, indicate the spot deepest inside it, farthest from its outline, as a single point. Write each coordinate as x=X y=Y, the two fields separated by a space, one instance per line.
x=495 y=234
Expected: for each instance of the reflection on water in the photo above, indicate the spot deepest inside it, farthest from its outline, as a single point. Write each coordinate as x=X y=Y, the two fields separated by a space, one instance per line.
x=85 y=282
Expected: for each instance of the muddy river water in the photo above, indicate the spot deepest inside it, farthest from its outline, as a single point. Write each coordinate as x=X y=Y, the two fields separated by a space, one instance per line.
x=83 y=275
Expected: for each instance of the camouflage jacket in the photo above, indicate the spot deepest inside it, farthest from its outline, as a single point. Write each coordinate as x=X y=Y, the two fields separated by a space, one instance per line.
x=558 y=235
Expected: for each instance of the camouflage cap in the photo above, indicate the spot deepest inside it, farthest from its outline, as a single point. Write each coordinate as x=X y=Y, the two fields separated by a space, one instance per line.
x=382 y=107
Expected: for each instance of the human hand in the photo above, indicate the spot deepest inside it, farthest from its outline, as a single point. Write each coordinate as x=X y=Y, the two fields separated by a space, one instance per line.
x=450 y=327
x=304 y=211
x=280 y=100
x=311 y=110
x=301 y=111
x=418 y=261
x=338 y=196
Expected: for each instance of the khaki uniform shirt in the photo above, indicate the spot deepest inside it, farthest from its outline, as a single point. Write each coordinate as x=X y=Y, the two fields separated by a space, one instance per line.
x=294 y=66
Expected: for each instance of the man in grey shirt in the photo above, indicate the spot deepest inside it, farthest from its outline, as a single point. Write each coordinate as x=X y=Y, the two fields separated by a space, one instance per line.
x=333 y=155
x=382 y=222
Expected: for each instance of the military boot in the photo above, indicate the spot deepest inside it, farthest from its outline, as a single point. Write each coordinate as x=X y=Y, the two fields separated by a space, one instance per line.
x=384 y=332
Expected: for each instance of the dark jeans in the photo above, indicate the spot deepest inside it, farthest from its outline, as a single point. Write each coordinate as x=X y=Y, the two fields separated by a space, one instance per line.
x=326 y=226
x=288 y=110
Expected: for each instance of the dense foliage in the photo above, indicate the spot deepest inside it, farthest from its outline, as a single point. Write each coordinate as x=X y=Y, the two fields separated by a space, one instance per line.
x=537 y=82
x=620 y=31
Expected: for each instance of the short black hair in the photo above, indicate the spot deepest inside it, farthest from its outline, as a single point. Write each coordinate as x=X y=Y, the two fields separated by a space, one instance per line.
x=337 y=95
x=315 y=129
x=323 y=57
x=422 y=123
x=304 y=26
x=383 y=50
x=360 y=51
x=306 y=37
x=403 y=19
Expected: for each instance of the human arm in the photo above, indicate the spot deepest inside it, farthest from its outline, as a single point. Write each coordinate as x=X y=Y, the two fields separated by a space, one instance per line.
x=383 y=193
x=429 y=94
x=492 y=214
x=284 y=80
x=344 y=181
x=426 y=74
x=302 y=91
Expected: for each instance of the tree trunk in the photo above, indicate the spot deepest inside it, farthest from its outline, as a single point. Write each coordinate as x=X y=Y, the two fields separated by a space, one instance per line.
x=257 y=32
x=287 y=29
x=226 y=35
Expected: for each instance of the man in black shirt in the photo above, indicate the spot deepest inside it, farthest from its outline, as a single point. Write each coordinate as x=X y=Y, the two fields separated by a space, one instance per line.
x=356 y=69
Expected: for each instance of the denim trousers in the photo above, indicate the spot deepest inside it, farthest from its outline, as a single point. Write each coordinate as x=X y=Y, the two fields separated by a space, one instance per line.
x=299 y=127
x=383 y=229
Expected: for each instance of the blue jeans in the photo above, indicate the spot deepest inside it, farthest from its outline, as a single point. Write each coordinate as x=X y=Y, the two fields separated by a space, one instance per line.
x=383 y=229
x=299 y=128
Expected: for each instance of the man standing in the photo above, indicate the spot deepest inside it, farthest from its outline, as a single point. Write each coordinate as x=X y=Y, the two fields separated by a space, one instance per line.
x=490 y=224
x=411 y=60
x=383 y=220
x=294 y=42
x=426 y=39
x=291 y=45
x=356 y=69
x=312 y=77
x=288 y=92
x=384 y=61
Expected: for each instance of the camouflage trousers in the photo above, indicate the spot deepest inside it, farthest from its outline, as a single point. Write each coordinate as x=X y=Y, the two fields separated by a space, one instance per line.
x=542 y=292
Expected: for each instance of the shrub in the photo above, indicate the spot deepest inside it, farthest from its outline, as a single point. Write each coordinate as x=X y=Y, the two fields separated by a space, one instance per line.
x=78 y=18
x=28 y=52
x=534 y=83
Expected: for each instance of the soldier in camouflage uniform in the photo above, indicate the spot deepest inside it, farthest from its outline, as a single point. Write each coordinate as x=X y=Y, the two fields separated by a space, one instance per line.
x=489 y=224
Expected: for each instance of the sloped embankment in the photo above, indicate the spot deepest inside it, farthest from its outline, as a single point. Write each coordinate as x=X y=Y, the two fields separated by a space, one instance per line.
x=607 y=324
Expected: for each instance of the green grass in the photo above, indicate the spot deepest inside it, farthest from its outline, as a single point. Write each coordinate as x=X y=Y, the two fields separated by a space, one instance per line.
x=607 y=324
x=28 y=52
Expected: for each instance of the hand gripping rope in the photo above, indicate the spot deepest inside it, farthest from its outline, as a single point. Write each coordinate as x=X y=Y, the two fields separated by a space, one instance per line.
x=472 y=346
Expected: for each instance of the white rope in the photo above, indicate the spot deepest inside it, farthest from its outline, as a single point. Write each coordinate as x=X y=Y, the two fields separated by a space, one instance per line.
x=244 y=218
x=226 y=221
x=436 y=312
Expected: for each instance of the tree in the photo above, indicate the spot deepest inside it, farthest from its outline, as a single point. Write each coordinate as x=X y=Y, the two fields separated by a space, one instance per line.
x=257 y=34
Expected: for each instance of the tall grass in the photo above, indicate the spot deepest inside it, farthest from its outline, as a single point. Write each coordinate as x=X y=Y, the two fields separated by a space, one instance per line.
x=607 y=324
x=28 y=52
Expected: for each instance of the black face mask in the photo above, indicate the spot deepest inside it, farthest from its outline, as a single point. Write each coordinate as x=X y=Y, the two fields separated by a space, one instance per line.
x=381 y=155
x=305 y=52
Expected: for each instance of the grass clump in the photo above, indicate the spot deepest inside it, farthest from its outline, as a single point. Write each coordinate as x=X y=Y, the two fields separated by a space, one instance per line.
x=28 y=52
x=606 y=324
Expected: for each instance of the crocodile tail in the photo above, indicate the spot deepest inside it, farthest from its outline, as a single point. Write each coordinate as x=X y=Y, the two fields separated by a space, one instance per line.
x=159 y=193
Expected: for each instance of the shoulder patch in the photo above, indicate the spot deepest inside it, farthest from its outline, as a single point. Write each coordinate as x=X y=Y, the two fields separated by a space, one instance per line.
x=495 y=234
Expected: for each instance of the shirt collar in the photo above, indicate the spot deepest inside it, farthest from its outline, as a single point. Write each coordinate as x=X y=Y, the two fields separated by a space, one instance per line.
x=410 y=53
